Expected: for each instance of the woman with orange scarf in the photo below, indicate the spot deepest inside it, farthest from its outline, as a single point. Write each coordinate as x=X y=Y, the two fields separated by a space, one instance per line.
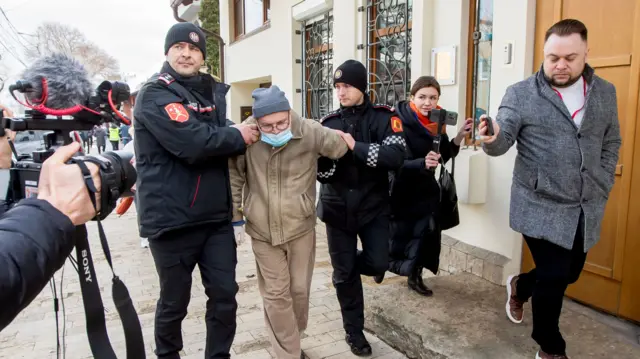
x=415 y=241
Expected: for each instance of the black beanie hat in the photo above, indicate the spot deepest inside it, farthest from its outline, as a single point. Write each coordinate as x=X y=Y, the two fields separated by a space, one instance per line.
x=353 y=73
x=186 y=32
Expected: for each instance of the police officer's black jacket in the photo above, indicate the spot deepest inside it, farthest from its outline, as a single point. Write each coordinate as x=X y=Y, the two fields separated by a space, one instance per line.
x=355 y=188
x=35 y=240
x=182 y=144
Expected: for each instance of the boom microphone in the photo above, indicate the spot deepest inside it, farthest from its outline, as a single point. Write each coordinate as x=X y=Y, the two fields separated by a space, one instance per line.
x=67 y=81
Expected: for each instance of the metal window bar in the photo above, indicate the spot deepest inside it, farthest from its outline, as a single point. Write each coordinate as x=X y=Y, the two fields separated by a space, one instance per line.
x=389 y=50
x=317 y=59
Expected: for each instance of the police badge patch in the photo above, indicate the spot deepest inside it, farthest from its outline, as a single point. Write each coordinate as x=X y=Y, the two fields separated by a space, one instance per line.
x=396 y=124
x=177 y=112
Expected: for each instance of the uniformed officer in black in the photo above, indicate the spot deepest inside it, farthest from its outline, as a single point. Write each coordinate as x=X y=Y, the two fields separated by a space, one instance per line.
x=354 y=197
x=182 y=144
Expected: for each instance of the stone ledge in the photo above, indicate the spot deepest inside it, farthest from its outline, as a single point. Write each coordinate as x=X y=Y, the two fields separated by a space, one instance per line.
x=459 y=257
x=465 y=319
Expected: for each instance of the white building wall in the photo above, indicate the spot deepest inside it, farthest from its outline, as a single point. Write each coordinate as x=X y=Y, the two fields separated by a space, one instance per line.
x=487 y=225
x=266 y=56
x=271 y=54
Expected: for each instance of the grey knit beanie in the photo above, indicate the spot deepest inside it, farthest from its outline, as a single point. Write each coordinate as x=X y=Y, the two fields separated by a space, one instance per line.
x=269 y=100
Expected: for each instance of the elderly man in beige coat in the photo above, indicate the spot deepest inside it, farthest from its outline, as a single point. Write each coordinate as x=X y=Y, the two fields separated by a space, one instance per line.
x=278 y=175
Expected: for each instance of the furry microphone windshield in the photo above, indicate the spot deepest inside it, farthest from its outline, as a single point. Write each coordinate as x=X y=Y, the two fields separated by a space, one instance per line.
x=67 y=81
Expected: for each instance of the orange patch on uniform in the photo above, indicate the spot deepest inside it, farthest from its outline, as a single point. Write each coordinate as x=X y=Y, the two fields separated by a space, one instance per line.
x=396 y=124
x=177 y=112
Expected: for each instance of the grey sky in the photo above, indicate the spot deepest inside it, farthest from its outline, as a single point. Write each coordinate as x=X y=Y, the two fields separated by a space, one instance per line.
x=131 y=31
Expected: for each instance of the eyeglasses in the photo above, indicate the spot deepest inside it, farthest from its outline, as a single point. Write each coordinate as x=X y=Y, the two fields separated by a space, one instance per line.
x=282 y=125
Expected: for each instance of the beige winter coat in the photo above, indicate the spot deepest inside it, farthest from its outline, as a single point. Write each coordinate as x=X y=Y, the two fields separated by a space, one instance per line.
x=278 y=202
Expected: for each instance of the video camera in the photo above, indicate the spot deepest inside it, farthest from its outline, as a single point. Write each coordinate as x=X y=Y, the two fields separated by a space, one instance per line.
x=116 y=172
x=61 y=102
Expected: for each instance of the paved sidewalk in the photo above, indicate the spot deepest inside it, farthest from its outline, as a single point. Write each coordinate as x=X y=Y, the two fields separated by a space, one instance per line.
x=32 y=334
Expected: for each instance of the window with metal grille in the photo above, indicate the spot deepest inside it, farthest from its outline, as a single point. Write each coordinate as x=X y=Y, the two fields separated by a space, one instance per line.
x=317 y=55
x=389 y=49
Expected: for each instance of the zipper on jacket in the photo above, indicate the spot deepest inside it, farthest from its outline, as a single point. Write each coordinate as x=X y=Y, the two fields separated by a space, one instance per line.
x=195 y=195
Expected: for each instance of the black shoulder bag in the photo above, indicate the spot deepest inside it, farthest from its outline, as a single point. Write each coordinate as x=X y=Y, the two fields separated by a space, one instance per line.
x=448 y=211
x=448 y=216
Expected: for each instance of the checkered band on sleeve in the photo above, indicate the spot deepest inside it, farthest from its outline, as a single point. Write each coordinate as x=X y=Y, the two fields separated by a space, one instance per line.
x=372 y=155
x=328 y=173
x=394 y=140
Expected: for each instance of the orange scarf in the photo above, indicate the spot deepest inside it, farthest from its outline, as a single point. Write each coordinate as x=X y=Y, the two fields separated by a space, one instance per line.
x=431 y=126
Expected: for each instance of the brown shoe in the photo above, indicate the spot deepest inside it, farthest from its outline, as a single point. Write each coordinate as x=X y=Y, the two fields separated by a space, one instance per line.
x=515 y=312
x=542 y=355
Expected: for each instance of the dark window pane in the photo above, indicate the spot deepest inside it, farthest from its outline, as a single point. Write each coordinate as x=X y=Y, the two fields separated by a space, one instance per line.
x=238 y=18
x=267 y=4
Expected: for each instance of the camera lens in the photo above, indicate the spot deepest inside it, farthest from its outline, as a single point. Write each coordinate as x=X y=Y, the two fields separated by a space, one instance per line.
x=125 y=173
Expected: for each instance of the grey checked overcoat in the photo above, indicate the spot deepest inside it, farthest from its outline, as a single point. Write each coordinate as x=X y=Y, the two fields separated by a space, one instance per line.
x=560 y=169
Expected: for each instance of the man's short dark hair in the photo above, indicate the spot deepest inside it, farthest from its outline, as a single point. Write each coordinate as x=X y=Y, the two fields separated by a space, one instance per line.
x=567 y=27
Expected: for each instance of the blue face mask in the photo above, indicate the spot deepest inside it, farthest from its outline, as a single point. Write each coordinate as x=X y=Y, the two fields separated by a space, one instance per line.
x=278 y=140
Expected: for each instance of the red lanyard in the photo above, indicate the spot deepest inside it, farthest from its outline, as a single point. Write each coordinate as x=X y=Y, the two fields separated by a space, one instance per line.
x=584 y=85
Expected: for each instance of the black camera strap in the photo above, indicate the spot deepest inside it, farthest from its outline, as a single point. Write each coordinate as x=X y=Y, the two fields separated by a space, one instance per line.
x=92 y=300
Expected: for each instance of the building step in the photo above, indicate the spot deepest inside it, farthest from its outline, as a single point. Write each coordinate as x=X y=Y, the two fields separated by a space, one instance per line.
x=465 y=318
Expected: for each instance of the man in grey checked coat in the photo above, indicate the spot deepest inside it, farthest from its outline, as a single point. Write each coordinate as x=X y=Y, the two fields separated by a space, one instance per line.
x=565 y=121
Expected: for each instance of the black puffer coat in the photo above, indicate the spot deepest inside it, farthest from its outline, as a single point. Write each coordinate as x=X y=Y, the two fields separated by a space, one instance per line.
x=414 y=199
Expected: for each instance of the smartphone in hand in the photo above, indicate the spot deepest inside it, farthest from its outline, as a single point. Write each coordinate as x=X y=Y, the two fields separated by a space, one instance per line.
x=489 y=123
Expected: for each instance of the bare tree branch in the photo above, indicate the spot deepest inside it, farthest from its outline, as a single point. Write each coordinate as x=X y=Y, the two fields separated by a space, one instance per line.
x=54 y=37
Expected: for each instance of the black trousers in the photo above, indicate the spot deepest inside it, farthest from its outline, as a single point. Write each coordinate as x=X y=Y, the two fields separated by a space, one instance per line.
x=88 y=143
x=176 y=253
x=114 y=145
x=556 y=268
x=349 y=263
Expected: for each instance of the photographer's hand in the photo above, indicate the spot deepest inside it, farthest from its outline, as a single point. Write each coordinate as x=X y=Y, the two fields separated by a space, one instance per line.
x=63 y=186
x=432 y=160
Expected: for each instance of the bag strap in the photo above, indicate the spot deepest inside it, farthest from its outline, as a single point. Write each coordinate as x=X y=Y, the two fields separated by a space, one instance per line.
x=92 y=300
x=453 y=164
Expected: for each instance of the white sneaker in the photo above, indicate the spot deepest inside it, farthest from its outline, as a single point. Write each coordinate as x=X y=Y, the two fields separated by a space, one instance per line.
x=144 y=243
x=547 y=356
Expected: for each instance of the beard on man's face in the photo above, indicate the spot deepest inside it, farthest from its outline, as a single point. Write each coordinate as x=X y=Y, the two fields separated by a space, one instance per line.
x=567 y=83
